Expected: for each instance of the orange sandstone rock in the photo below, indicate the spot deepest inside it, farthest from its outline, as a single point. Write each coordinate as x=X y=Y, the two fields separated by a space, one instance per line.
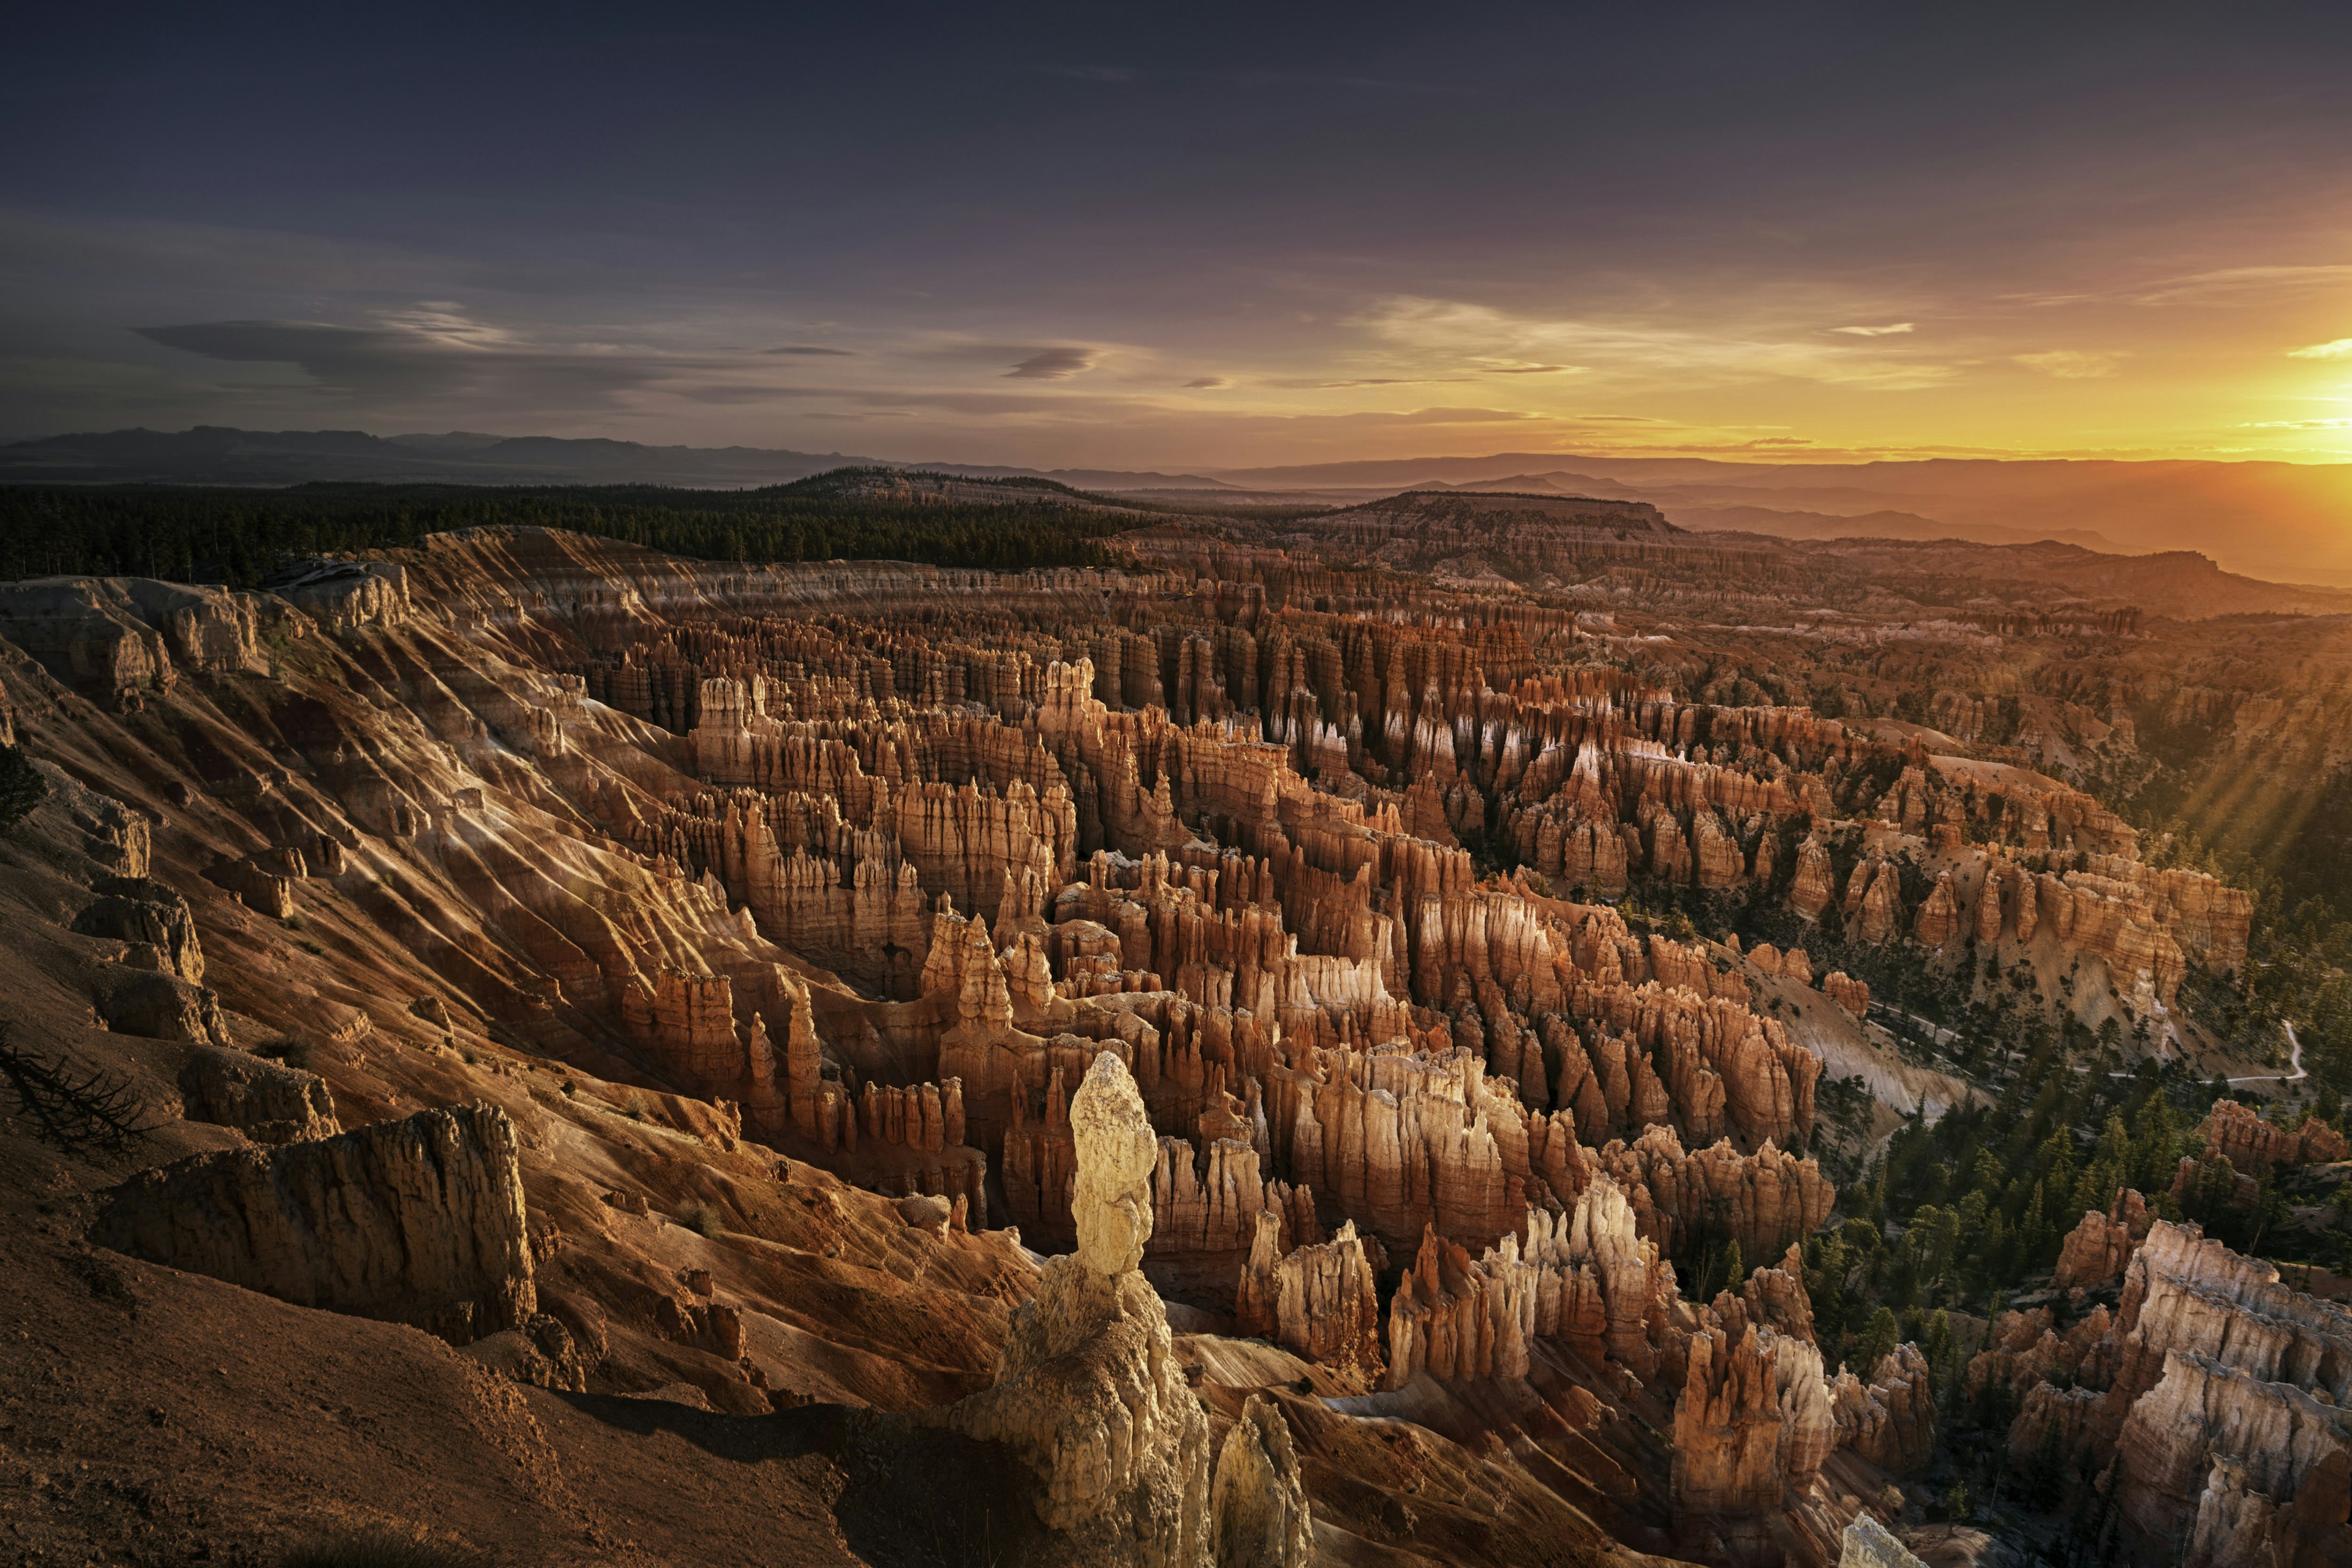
x=2098 y=1249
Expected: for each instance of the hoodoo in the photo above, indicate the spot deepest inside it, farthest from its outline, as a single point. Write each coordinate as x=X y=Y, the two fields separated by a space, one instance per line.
x=1088 y=1389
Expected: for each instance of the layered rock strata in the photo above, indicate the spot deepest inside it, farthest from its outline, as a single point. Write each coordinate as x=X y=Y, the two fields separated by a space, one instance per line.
x=862 y=868
x=1753 y=1423
x=1867 y=1544
x=1586 y=1278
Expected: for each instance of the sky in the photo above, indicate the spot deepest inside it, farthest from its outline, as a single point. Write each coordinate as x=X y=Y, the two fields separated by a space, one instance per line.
x=1186 y=238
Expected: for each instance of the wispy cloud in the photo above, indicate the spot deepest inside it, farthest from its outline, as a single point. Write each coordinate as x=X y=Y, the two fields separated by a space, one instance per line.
x=2226 y=284
x=812 y=349
x=436 y=354
x=430 y=351
x=1481 y=334
x=1311 y=384
x=1053 y=364
x=1421 y=417
x=2340 y=348
x=1893 y=328
x=2072 y=364
x=1209 y=383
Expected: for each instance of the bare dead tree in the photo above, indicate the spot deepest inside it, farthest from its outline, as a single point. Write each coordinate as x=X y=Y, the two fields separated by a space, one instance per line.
x=94 y=1110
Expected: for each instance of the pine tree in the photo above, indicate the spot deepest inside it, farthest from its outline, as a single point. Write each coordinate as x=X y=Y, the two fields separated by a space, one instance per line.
x=1944 y=1229
x=2055 y=1162
x=1879 y=1336
x=2270 y=1210
x=21 y=787
x=1825 y=1283
x=2096 y=1188
x=2030 y=1231
x=1735 y=1273
x=1903 y=1286
x=1942 y=1352
x=1996 y=1244
x=2153 y=1154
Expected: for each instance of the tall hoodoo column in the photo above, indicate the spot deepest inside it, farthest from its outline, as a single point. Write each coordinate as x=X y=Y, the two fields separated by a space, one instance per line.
x=1088 y=1389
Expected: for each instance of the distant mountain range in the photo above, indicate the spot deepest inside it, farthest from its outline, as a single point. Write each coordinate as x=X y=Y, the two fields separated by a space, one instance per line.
x=216 y=455
x=2284 y=521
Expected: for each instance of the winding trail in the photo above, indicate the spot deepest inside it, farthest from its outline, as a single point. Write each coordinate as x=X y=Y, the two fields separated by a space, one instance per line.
x=2294 y=1060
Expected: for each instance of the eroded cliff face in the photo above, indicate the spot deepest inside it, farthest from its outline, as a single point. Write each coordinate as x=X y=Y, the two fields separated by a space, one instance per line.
x=1751 y=1430
x=2212 y=1399
x=420 y=1221
x=2214 y=1460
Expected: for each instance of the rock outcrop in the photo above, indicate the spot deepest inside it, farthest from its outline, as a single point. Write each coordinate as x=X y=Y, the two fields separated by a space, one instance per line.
x=1317 y=1301
x=1773 y=1297
x=1584 y=1277
x=154 y=918
x=1258 y=1513
x=1752 y=1425
x=2184 y=1292
x=2254 y=1146
x=124 y=636
x=1867 y=1544
x=1852 y=994
x=1890 y=1420
x=266 y=1101
x=1763 y=1201
x=2212 y=1398
x=2099 y=1248
x=2215 y=1458
x=418 y=1221
x=2023 y=1348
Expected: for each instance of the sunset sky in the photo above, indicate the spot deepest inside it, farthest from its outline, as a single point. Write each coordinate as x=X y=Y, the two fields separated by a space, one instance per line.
x=1194 y=235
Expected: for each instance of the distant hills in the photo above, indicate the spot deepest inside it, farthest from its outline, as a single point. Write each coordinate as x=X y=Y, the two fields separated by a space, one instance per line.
x=2291 y=521
x=1778 y=522
x=218 y=455
x=2180 y=583
x=2281 y=521
x=1908 y=525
